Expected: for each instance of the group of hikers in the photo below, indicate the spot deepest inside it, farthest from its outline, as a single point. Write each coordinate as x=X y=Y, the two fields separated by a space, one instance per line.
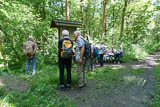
x=85 y=55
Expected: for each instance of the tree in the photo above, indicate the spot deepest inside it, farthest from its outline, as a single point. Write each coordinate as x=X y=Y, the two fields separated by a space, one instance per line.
x=123 y=16
x=104 y=20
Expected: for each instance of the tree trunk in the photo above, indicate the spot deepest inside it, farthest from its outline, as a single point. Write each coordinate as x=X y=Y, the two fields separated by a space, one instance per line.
x=123 y=16
x=67 y=10
x=113 y=21
x=104 y=20
x=88 y=18
x=62 y=10
x=82 y=19
x=2 y=51
x=44 y=10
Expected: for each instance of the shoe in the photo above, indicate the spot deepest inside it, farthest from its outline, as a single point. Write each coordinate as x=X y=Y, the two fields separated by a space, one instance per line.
x=33 y=73
x=61 y=87
x=80 y=87
x=68 y=87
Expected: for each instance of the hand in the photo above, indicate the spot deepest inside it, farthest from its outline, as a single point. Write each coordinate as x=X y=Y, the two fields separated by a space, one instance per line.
x=32 y=53
x=80 y=61
x=30 y=57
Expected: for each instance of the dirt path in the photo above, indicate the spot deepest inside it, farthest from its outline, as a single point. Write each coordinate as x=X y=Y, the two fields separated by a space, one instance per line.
x=13 y=83
x=121 y=94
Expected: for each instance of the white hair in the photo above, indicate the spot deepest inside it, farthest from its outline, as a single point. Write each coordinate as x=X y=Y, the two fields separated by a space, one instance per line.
x=77 y=32
x=65 y=33
x=30 y=37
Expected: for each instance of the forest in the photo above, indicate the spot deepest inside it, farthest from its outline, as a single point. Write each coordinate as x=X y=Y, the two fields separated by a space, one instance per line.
x=134 y=24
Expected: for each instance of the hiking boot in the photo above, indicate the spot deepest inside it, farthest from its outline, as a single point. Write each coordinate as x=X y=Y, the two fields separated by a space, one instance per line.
x=68 y=86
x=61 y=87
x=82 y=86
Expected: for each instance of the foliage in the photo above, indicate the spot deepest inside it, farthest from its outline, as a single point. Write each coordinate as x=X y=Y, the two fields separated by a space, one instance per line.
x=21 y=18
x=155 y=102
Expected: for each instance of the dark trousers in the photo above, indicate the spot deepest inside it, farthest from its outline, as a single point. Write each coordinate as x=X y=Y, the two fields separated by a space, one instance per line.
x=101 y=59
x=65 y=63
x=118 y=57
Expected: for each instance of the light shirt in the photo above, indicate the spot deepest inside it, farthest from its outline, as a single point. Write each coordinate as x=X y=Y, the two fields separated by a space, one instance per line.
x=79 y=43
x=66 y=37
x=102 y=49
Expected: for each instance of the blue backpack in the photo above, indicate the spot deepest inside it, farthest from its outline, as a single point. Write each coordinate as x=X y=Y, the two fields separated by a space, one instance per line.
x=95 y=52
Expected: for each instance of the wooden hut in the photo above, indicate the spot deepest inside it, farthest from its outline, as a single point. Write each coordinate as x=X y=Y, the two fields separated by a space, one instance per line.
x=69 y=25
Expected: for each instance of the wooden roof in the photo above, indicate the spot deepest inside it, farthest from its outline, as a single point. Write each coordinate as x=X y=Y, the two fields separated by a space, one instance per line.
x=65 y=23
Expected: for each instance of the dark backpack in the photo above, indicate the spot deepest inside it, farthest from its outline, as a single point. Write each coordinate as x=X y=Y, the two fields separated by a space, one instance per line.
x=66 y=49
x=95 y=52
x=87 y=50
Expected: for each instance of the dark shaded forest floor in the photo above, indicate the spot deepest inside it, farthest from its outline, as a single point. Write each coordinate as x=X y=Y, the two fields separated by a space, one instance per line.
x=133 y=90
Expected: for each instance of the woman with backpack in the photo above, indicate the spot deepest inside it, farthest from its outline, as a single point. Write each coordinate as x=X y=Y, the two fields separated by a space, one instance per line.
x=30 y=53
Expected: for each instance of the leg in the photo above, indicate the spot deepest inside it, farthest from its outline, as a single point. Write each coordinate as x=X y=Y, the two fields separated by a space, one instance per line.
x=68 y=67
x=115 y=58
x=34 y=65
x=84 y=71
x=89 y=64
x=101 y=60
x=61 y=71
x=94 y=62
x=119 y=57
x=27 y=66
x=80 y=74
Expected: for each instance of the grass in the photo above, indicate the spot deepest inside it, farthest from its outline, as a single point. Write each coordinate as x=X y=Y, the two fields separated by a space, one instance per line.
x=42 y=91
x=155 y=102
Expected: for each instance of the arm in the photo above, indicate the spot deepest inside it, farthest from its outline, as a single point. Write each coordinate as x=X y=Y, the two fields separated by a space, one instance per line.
x=58 y=46
x=81 y=52
x=35 y=48
x=24 y=49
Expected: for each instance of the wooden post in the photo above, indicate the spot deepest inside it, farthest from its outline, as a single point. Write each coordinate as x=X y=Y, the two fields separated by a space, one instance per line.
x=104 y=20
x=67 y=10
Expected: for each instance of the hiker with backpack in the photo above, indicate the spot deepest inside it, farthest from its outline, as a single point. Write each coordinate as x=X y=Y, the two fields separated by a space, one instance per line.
x=95 y=55
x=83 y=52
x=30 y=53
x=65 y=54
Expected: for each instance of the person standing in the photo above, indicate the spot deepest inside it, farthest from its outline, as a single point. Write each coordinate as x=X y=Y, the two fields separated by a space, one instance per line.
x=95 y=55
x=30 y=52
x=81 y=60
x=118 y=54
x=101 y=53
x=65 y=47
